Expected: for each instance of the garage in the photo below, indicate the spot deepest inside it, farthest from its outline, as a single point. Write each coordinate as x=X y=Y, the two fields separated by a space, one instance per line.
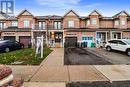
x=12 y=38
x=70 y=41
x=26 y=40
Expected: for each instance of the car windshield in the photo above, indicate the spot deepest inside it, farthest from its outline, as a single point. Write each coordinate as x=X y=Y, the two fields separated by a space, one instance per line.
x=127 y=41
x=3 y=41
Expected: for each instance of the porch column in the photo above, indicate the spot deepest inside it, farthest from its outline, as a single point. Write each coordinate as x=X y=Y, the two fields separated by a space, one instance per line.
x=47 y=38
x=121 y=35
x=32 y=39
x=106 y=37
x=110 y=35
x=17 y=36
x=63 y=38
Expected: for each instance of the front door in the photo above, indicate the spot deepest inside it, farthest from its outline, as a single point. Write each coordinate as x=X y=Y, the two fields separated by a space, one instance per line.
x=116 y=36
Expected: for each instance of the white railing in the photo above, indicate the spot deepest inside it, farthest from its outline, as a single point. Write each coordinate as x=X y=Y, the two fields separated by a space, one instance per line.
x=45 y=27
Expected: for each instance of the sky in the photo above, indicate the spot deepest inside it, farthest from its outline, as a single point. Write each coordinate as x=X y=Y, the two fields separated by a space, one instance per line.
x=81 y=7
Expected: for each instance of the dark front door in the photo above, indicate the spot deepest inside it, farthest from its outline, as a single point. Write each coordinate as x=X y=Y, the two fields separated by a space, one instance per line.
x=71 y=42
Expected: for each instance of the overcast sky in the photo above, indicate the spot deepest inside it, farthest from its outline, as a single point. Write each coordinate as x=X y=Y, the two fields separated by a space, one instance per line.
x=82 y=7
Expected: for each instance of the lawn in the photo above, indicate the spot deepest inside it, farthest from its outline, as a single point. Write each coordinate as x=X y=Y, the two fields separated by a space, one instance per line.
x=23 y=57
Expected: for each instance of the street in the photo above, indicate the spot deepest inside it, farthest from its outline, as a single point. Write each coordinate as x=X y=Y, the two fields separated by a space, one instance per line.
x=100 y=84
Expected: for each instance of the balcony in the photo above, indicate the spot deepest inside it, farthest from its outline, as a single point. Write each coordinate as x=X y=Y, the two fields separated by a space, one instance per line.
x=45 y=27
x=2 y=27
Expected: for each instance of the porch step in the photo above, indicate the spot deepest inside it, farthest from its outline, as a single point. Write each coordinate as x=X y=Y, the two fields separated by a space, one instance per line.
x=58 y=45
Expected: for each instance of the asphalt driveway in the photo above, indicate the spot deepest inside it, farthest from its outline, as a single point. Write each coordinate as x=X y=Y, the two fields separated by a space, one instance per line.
x=94 y=56
x=78 y=56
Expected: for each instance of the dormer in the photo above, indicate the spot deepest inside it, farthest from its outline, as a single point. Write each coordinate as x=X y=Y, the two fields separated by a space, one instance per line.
x=120 y=20
x=71 y=20
x=93 y=19
x=26 y=19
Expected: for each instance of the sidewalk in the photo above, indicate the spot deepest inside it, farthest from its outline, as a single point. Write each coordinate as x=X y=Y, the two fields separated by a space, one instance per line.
x=53 y=73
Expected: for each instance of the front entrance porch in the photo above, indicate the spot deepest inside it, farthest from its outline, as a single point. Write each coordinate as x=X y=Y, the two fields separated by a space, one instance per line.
x=56 y=39
x=103 y=36
x=51 y=38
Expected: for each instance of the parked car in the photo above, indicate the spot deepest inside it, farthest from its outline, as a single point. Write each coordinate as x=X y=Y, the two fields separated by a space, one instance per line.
x=7 y=45
x=119 y=44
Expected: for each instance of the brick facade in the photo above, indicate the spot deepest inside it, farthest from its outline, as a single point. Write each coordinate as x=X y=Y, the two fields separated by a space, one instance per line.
x=94 y=25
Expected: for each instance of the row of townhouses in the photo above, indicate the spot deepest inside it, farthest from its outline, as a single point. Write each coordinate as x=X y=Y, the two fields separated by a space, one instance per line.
x=70 y=28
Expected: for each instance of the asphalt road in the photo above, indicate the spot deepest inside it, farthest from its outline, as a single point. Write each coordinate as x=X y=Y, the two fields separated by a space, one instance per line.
x=100 y=84
x=78 y=56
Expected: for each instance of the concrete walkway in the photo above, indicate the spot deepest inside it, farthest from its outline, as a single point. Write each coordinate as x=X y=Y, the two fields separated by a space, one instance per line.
x=56 y=58
x=53 y=73
x=44 y=84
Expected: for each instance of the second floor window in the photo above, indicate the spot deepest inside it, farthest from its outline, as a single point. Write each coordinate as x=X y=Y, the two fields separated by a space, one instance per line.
x=71 y=24
x=94 y=21
x=57 y=25
x=26 y=24
x=2 y=25
x=88 y=22
x=116 y=23
x=14 y=23
x=123 y=22
x=42 y=25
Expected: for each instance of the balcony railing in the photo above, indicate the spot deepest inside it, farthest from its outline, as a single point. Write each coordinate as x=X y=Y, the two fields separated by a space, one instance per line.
x=2 y=27
x=49 y=27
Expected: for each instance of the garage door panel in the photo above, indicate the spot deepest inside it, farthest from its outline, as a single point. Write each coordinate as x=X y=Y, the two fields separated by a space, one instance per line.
x=25 y=40
x=71 y=41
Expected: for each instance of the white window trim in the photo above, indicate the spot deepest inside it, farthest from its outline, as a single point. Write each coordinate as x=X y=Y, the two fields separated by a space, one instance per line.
x=26 y=23
x=94 y=21
x=123 y=22
x=71 y=24
x=88 y=22
x=57 y=25
x=14 y=23
x=41 y=25
x=116 y=23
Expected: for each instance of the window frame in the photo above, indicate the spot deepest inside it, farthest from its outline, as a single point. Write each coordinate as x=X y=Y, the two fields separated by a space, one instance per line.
x=14 y=23
x=71 y=24
x=26 y=23
x=94 y=21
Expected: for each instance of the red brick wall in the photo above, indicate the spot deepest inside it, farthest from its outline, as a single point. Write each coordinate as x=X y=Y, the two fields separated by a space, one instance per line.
x=94 y=26
x=21 y=21
x=83 y=23
x=128 y=24
x=106 y=24
x=124 y=18
x=126 y=35
x=71 y=18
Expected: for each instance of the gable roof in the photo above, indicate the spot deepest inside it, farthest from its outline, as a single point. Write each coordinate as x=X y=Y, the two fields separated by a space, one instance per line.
x=24 y=12
x=70 y=12
x=95 y=11
x=118 y=14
